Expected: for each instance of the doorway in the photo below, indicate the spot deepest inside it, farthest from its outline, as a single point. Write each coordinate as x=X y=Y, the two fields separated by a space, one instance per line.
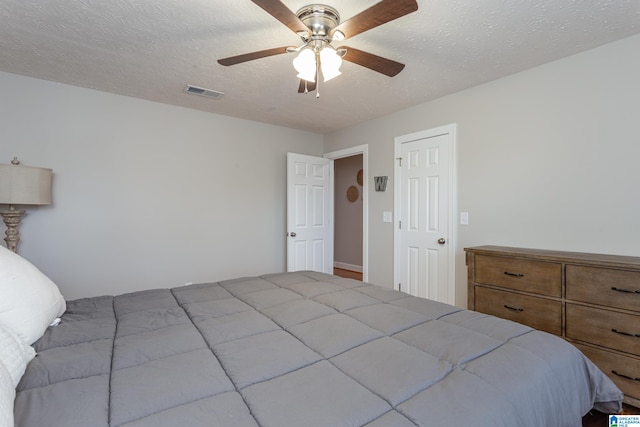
x=347 y=208
x=350 y=211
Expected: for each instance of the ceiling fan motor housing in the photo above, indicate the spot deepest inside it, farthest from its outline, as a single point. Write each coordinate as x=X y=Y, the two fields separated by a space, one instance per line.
x=320 y=19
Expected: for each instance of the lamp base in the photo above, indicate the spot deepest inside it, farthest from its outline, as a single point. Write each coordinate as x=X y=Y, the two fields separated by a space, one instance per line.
x=12 y=219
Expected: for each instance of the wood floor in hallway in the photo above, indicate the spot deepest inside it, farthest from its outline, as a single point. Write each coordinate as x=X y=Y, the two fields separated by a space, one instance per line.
x=347 y=273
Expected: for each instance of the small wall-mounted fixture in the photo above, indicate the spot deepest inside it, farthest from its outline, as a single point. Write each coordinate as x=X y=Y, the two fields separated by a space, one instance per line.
x=381 y=182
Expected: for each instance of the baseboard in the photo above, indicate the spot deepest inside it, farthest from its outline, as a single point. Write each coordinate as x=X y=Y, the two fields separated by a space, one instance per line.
x=345 y=266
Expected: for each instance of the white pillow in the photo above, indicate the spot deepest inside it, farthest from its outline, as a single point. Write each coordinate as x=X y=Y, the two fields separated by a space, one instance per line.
x=7 y=396
x=29 y=300
x=14 y=354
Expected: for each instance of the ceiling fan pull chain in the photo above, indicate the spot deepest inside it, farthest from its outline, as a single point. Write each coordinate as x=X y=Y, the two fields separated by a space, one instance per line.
x=317 y=72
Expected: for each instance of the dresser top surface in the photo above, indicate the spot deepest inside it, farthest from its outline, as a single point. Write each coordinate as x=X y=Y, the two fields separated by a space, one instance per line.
x=559 y=256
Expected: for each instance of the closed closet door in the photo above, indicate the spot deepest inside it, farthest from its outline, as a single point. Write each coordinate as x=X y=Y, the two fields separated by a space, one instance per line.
x=424 y=207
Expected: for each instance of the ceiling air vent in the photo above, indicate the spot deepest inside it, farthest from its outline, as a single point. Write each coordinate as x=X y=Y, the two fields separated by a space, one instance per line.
x=209 y=93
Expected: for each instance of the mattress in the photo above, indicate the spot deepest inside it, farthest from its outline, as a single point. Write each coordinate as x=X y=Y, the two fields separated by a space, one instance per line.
x=300 y=349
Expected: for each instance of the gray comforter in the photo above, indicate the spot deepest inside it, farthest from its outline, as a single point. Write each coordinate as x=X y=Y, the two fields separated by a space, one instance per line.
x=300 y=349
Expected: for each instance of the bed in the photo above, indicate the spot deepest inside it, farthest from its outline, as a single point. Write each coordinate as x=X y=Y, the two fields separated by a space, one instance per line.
x=300 y=349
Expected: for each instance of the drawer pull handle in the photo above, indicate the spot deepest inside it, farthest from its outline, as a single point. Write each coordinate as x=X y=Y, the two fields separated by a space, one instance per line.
x=625 y=333
x=626 y=291
x=513 y=308
x=625 y=376
x=513 y=274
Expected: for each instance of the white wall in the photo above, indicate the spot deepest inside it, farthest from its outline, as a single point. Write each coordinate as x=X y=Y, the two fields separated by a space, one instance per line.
x=145 y=194
x=547 y=158
x=149 y=195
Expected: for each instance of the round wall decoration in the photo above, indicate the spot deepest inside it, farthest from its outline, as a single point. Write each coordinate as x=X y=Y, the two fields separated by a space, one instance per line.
x=352 y=194
x=359 y=178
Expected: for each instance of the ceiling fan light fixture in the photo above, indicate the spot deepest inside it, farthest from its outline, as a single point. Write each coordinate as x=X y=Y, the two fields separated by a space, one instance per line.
x=330 y=63
x=305 y=65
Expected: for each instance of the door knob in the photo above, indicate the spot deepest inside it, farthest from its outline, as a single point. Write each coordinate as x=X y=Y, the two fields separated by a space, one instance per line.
x=441 y=241
x=292 y=234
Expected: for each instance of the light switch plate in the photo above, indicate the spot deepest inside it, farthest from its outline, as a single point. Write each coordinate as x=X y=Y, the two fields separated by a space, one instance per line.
x=464 y=218
x=387 y=217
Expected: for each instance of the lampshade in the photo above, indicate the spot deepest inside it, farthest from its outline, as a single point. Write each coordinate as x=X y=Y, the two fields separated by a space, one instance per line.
x=25 y=185
x=305 y=65
x=330 y=63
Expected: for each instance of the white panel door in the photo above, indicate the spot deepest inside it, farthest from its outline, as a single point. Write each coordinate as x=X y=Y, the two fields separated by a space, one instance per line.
x=424 y=204
x=309 y=213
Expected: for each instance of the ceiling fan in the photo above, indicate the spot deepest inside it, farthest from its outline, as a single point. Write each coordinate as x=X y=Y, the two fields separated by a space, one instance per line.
x=318 y=26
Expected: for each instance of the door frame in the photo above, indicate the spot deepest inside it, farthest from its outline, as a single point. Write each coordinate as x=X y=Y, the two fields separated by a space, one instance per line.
x=348 y=152
x=452 y=205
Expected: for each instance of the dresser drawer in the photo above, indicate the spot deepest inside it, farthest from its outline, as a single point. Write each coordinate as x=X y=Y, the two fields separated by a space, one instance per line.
x=539 y=313
x=603 y=327
x=623 y=370
x=604 y=286
x=524 y=275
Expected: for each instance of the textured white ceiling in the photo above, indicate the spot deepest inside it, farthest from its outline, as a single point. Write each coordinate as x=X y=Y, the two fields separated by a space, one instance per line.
x=151 y=49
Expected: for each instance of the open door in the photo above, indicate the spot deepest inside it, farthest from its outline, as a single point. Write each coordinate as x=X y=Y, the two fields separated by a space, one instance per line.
x=309 y=213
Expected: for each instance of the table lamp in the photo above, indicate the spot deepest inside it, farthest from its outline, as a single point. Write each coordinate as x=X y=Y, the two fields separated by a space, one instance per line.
x=21 y=185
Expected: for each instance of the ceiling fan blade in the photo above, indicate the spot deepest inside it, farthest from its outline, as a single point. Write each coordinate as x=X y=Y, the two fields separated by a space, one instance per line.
x=282 y=13
x=378 y=14
x=232 y=60
x=373 y=62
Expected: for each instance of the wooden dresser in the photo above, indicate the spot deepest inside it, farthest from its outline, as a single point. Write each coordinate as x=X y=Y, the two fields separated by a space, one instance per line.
x=591 y=300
